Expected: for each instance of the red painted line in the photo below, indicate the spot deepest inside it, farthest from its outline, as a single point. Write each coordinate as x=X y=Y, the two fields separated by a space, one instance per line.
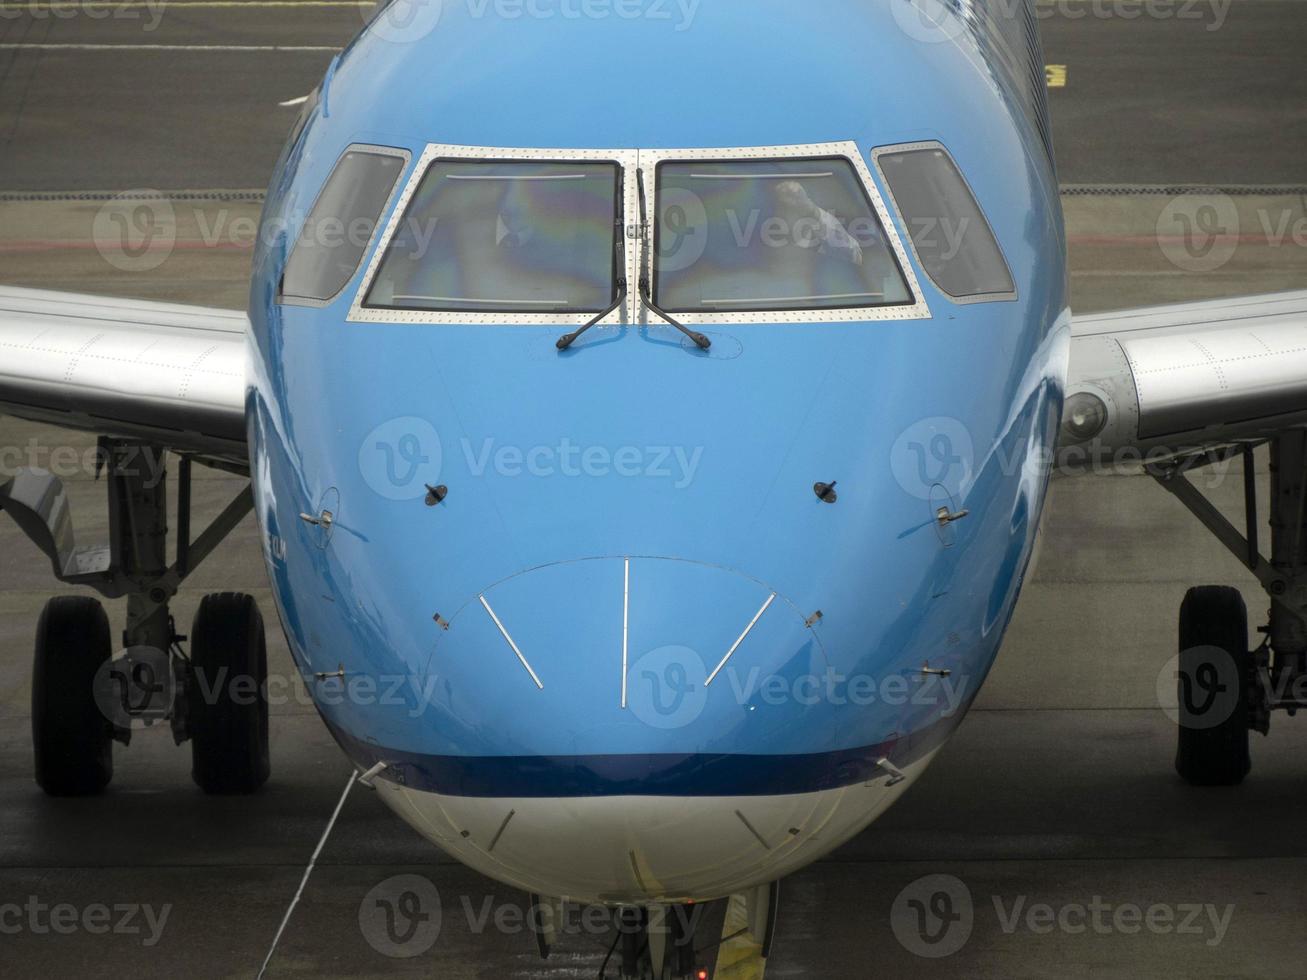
x=185 y=245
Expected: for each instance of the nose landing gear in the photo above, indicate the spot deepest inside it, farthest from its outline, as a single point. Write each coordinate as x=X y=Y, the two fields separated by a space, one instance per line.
x=659 y=943
x=663 y=942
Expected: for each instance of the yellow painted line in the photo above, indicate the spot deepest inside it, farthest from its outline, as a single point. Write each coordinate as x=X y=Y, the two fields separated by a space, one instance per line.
x=36 y=7
x=739 y=958
x=1056 y=75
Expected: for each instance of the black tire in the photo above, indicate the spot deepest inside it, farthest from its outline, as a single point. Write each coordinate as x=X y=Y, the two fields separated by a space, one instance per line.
x=1216 y=677
x=227 y=696
x=71 y=737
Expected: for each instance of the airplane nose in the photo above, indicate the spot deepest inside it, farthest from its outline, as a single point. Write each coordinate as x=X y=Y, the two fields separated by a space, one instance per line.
x=638 y=729
x=617 y=656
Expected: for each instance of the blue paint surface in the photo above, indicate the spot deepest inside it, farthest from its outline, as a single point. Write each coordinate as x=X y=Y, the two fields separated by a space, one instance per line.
x=700 y=469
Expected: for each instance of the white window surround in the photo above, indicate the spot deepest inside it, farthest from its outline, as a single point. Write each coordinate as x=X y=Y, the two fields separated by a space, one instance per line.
x=633 y=311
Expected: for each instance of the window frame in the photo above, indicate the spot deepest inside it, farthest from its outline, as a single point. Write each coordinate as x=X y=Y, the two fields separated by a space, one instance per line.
x=915 y=309
x=381 y=220
x=626 y=163
x=972 y=298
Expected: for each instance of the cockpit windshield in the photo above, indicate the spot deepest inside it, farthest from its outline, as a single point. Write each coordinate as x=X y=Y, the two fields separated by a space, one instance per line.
x=785 y=234
x=505 y=237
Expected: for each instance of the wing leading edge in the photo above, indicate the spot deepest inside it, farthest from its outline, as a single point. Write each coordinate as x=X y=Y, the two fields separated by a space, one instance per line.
x=1181 y=380
x=169 y=374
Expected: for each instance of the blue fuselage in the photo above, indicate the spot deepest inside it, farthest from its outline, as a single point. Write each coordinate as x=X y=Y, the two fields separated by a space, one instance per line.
x=634 y=496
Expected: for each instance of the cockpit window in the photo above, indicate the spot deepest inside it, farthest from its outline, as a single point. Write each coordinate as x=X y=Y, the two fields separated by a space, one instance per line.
x=786 y=234
x=341 y=224
x=953 y=241
x=505 y=237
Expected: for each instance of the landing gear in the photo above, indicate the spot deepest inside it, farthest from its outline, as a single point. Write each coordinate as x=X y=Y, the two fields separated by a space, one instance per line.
x=1216 y=679
x=658 y=943
x=227 y=696
x=72 y=738
x=1225 y=691
x=81 y=700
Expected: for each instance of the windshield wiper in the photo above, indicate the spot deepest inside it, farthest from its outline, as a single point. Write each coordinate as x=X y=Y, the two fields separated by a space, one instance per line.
x=568 y=339
x=646 y=293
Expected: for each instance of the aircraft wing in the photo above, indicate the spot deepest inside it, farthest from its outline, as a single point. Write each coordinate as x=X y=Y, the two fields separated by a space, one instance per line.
x=1170 y=382
x=173 y=375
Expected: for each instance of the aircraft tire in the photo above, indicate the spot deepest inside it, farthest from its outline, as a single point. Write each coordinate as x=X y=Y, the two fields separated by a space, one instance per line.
x=72 y=739
x=228 y=696
x=1215 y=678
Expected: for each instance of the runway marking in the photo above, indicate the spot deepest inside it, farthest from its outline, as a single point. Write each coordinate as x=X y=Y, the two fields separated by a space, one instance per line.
x=1056 y=75
x=736 y=645
x=511 y=642
x=289 y=102
x=299 y=892
x=242 y=48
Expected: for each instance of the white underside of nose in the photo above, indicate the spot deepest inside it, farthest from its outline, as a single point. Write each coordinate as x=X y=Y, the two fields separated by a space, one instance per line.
x=645 y=849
